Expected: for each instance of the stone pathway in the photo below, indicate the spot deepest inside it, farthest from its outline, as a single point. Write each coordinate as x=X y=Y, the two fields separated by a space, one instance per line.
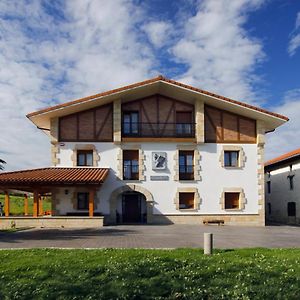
x=154 y=236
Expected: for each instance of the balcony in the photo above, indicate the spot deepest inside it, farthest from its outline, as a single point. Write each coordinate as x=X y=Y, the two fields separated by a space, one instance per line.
x=158 y=130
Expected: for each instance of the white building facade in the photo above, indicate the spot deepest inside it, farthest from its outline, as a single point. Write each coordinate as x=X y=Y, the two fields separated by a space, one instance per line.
x=175 y=154
x=282 y=178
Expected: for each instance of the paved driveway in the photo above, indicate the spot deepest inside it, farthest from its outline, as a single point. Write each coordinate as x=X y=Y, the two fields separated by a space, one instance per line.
x=154 y=236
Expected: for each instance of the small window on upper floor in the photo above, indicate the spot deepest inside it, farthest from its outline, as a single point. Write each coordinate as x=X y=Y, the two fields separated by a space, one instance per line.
x=186 y=200
x=269 y=187
x=186 y=165
x=130 y=164
x=131 y=123
x=232 y=200
x=231 y=158
x=291 y=181
x=85 y=158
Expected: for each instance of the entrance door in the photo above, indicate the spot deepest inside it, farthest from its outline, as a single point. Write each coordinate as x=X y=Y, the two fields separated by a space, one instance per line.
x=291 y=210
x=131 y=208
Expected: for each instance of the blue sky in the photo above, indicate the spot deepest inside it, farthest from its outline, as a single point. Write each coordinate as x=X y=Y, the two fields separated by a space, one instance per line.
x=55 y=51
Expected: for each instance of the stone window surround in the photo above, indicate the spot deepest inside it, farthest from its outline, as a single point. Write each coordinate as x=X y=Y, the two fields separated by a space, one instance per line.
x=242 y=199
x=96 y=157
x=197 y=158
x=188 y=190
x=241 y=160
x=141 y=162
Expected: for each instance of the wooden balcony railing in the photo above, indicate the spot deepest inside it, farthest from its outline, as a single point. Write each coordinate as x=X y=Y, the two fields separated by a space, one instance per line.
x=174 y=130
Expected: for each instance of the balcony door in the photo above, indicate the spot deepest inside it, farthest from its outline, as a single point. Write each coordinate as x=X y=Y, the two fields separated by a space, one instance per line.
x=131 y=123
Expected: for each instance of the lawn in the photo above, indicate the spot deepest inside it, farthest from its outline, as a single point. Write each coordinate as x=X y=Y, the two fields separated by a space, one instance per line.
x=150 y=274
x=17 y=204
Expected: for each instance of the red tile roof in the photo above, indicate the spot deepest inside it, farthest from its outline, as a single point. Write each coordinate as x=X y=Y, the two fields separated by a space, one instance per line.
x=283 y=157
x=156 y=79
x=55 y=176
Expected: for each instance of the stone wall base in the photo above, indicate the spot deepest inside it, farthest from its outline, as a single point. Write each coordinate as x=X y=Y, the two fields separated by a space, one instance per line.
x=51 y=222
x=238 y=220
x=235 y=220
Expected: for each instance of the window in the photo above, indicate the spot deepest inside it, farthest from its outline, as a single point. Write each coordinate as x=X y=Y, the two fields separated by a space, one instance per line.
x=231 y=158
x=85 y=158
x=291 y=209
x=131 y=123
x=186 y=200
x=232 y=200
x=82 y=200
x=186 y=165
x=184 y=126
x=269 y=187
x=131 y=164
x=291 y=181
x=269 y=208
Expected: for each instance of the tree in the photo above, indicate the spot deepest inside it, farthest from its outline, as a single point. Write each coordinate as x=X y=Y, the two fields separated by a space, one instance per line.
x=2 y=162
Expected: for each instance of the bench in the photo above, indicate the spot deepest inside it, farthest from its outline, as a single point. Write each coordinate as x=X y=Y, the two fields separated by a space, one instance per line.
x=218 y=222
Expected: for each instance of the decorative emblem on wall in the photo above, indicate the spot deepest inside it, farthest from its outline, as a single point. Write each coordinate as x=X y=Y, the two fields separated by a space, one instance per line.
x=159 y=160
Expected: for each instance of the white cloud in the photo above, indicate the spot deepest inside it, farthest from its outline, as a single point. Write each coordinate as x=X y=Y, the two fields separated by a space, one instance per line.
x=286 y=137
x=220 y=55
x=91 y=47
x=85 y=47
x=294 y=42
x=159 y=32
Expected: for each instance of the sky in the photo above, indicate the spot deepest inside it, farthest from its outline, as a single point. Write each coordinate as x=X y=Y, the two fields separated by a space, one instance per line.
x=56 y=51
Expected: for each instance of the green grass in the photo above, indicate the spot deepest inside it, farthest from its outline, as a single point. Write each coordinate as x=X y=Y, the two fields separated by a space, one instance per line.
x=15 y=229
x=17 y=204
x=150 y=274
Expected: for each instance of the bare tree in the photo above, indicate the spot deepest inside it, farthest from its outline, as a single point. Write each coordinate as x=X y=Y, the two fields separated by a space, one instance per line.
x=2 y=162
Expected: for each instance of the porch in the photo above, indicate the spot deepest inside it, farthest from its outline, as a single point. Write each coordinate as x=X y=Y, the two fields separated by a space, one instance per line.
x=40 y=182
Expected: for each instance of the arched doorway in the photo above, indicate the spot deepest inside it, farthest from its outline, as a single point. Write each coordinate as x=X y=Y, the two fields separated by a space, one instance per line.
x=133 y=208
x=130 y=191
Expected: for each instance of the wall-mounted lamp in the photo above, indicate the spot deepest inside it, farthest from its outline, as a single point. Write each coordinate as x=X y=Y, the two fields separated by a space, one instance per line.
x=66 y=192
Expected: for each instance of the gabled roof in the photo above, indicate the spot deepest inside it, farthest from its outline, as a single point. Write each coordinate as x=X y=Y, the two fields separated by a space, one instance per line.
x=146 y=82
x=283 y=158
x=54 y=176
x=158 y=85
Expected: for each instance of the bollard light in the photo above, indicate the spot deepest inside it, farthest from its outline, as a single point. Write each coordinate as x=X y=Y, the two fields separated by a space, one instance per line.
x=208 y=243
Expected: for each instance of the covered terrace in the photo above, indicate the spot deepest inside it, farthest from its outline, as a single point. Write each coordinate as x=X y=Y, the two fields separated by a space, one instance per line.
x=43 y=181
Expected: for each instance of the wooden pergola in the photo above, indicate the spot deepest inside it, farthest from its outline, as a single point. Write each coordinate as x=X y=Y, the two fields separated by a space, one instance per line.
x=41 y=181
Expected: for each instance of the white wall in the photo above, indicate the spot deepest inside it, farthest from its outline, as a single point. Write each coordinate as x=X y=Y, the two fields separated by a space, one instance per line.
x=214 y=178
x=281 y=194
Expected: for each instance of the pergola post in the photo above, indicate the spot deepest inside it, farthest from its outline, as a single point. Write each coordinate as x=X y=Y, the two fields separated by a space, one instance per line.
x=35 y=203
x=41 y=212
x=6 y=204
x=91 y=202
x=25 y=204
